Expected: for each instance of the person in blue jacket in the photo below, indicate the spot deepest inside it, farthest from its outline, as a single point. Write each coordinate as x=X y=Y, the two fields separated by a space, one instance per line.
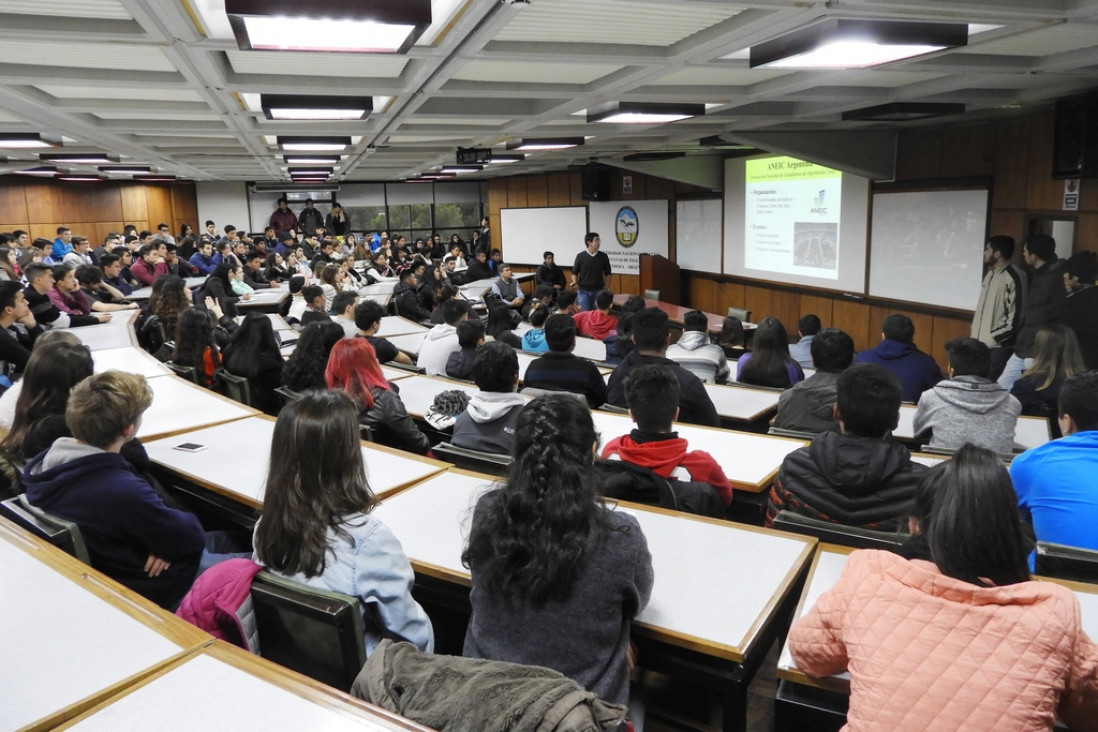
x=898 y=353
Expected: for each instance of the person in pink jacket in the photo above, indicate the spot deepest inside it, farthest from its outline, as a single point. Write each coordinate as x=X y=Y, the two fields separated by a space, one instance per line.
x=965 y=641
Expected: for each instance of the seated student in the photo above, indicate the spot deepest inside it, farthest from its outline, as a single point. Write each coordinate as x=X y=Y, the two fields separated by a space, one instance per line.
x=196 y=345
x=479 y=269
x=807 y=328
x=343 y=311
x=558 y=369
x=445 y=292
x=297 y=300
x=15 y=343
x=10 y=396
x=533 y=340
x=149 y=265
x=254 y=276
x=506 y=287
x=40 y=282
x=543 y=295
x=316 y=526
x=968 y=407
x=353 y=367
x=101 y=297
x=219 y=287
x=254 y=354
x=695 y=353
x=620 y=343
x=1055 y=482
x=131 y=535
x=898 y=353
x=470 y=335
x=598 y=323
x=442 y=340
x=1056 y=357
x=368 y=315
x=566 y=303
x=1080 y=272
x=964 y=640
x=769 y=362
x=731 y=338
x=857 y=476
x=653 y=396
x=548 y=273
x=238 y=284
x=501 y=324
x=305 y=367
x=407 y=302
x=488 y=423
x=380 y=271
x=557 y=576
x=809 y=405
x=203 y=259
x=650 y=333
x=314 y=310
x=113 y=266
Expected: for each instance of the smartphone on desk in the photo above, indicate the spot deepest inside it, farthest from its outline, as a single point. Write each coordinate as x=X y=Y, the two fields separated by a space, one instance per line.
x=190 y=447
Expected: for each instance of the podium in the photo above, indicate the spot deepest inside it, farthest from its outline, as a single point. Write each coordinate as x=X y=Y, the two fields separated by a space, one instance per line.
x=660 y=273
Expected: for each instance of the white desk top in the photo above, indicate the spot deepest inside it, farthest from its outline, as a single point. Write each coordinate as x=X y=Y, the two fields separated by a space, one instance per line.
x=750 y=461
x=590 y=349
x=277 y=322
x=144 y=293
x=205 y=692
x=130 y=359
x=382 y=300
x=242 y=474
x=379 y=288
x=1029 y=433
x=394 y=325
x=62 y=642
x=741 y=403
x=392 y=374
x=409 y=343
x=432 y=521
x=179 y=405
x=116 y=333
x=268 y=296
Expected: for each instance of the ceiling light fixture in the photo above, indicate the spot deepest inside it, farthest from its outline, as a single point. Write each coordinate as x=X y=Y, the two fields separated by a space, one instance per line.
x=502 y=158
x=43 y=171
x=312 y=159
x=79 y=178
x=904 y=111
x=652 y=157
x=643 y=113
x=126 y=169
x=460 y=169
x=310 y=172
x=295 y=143
x=530 y=144
x=309 y=107
x=28 y=140
x=845 y=43
x=342 y=26
x=79 y=158
x=159 y=178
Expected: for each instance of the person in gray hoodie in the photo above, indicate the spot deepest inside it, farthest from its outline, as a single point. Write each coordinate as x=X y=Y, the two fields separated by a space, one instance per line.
x=442 y=340
x=696 y=353
x=968 y=407
x=488 y=423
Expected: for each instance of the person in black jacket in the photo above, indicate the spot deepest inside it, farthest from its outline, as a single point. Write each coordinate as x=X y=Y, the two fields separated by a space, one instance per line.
x=40 y=277
x=406 y=297
x=559 y=369
x=548 y=273
x=1081 y=308
x=589 y=271
x=15 y=344
x=479 y=269
x=470 y=335
x=1043 y=303
x=650 y=333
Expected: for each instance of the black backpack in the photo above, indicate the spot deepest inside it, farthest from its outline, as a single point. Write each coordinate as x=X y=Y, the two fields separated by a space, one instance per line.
x=628 y=482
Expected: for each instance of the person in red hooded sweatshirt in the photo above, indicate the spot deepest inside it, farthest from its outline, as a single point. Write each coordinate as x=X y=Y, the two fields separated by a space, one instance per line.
x=652 y=393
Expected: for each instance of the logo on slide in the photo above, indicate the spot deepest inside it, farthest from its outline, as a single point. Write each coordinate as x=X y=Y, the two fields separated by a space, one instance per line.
x=818 y=203
x=627 y=226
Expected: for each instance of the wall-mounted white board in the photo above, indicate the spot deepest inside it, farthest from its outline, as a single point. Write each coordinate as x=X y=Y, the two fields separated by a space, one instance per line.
x=527 y=233
x=698 y=234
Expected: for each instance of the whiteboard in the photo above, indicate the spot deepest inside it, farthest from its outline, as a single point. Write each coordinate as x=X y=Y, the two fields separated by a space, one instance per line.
x=698 y=234
x=527 y=233
x=927 y=246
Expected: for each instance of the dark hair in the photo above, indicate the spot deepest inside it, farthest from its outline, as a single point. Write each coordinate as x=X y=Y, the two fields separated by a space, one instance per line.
x=530 y=536
x=35 y=270
x=633 y=304
x=974 y=533
x=499 y=318
x=1002 y=244
x=897 y=327
x=89 y=274
x=106 y=260
x=8 y=290
x=470 y=332
x=222 y=273
x=1083 y=265
x=1041 y=246
x=650 y=330
x=695 y=320
x=541 y=292
x=560 y=332
x=453 y=311
x=731 y=332
x=543 y=256
x=1079 y=400
x=342 y=300
x=251 y=257
x=539 y=313
x=495 y=366
x=253 y=346
x=315 y=480
x=304 y=369
x=770 y=359
x=652 y=393
x=604 y=299
x=168 y=300
x=869 y=400
x=60 y=271
x=407 y=274
x=194 y=333
x=52 y=371
x=590 y=237
x=832 y=350
x=809 y=324
x=565 y=299
x=969 y=357
x=367 y=313
x=312 y=292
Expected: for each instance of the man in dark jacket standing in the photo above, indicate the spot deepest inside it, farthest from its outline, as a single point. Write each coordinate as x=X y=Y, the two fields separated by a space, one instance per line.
x=589 y=271
x=310 y=218
x=1043 y=305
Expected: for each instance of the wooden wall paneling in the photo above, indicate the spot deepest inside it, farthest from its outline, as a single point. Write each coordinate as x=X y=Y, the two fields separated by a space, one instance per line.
x=159 y=202
x=497 y=195
x=659 y=189
x=13 y=204
x=919 y=155
x=786 y=307
x=757 y=300
x=1042 y=192
x=43 y=204
x=1086 y=233
x=853 y=317
x=1088 y=195
x=89 y=202
x=968 y=150
x=537 y=191
x=516 y=192
x=1011 y=164
x=818 y=306
x=575 y=188
x=46 y=230
x=703 y=294
x=924 y=331
x=945 y=329
x=731 y=294
x=184 y=206
x=100 y=229
x=628 y=283
x=1011 y=222
x=557 y=190
x=21 y=225
x=134 y=205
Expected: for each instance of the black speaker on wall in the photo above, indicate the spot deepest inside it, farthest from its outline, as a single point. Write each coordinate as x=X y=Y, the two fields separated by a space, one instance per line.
x=1075 y=145
x=595 y=184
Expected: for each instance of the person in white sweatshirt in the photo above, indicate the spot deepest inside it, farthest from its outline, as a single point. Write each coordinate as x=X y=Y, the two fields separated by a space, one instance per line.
x=442 y=340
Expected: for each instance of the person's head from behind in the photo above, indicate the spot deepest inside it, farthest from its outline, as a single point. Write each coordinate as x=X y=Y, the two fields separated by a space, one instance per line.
x=974 y=533
x=650 y=330
x=832 y=350
x=1039 y=248
x=344 y=302
x=565 y=300
x=470 y=333
x=731 y=332
x=53 y=369
x=868 y=401
x=560 y=333
x=1078 y=403
x=1056 y=354
x=695 y=321
x=899 y=328
x=633 y=304
x=652 y=393
x=495 y=367
x=315 y=479
x=105 y=410
x=968 y=357
x=1081 y=268
x=368 y=315
x=353 y=367
x=809 y=325
x=604 y=299
x=454 y=311
x=770 y=335
x=194 y=333
x=539 y=313
x=314 y=296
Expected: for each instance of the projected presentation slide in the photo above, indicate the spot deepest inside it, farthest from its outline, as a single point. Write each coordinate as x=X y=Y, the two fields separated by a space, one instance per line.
x=792 y=212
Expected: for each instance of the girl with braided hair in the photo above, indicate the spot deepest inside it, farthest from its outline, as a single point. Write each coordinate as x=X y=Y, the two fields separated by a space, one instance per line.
x=557 y=576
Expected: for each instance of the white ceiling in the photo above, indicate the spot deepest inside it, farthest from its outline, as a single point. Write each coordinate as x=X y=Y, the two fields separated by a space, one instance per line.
x=159 y=81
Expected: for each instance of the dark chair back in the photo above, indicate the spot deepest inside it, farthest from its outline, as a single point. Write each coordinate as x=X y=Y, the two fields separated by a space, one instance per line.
x=237 y=388
x=190 y=373
x=482 y=462
x=832 y=533
x=313 y=632
x=63 y=534
x=287 y=395
x=1067 y=562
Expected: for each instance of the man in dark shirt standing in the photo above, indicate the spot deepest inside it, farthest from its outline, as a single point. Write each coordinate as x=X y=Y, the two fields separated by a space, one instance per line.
x=589 y=271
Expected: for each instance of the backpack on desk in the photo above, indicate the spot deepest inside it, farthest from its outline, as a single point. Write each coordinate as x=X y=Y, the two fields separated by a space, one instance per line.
x=628 y=482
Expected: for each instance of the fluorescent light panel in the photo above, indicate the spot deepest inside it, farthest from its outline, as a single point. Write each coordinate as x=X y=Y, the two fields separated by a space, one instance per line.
x=503 y=158
x=126 y=169
x=313 y=144
x=646 y=113
x=27 y=140
x=342 y=26
x=843 y=43
x=530 y=144
x=43 y=171
x=76 y=178
x=312 y=159
x=309 y=107
x=79 y=158
x=461 y=169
